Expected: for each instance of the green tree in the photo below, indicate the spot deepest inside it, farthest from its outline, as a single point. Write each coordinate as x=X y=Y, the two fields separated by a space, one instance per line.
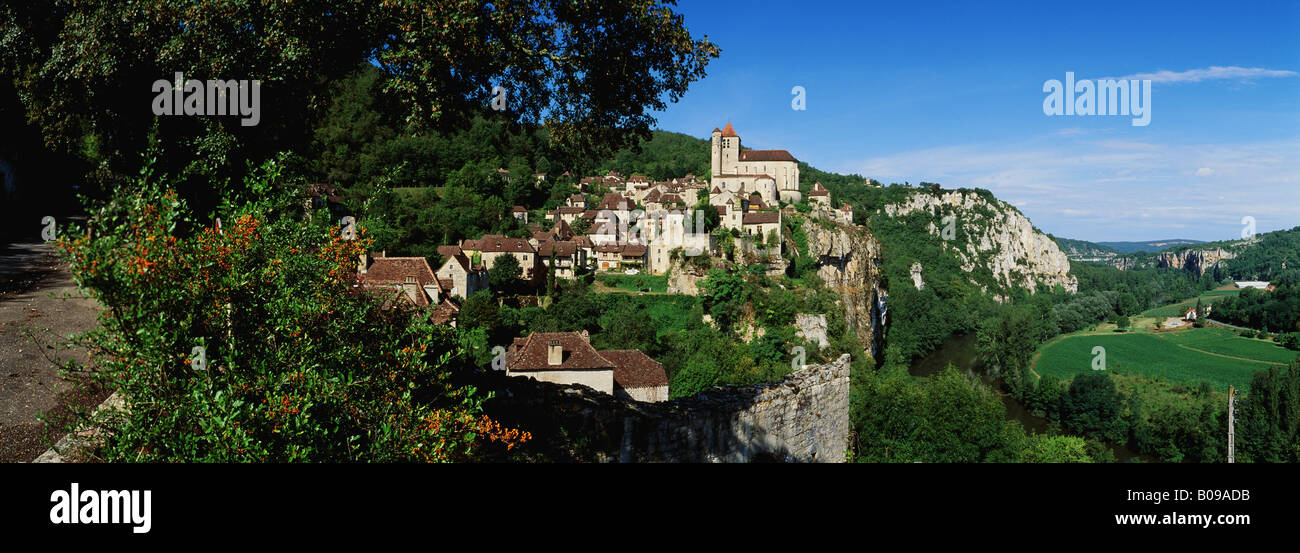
x=1270 y=417
x=626 y=326
x=505 y=272
x=1056 y=449
x=481 y=310
x=1091 y=407
x=595 y=90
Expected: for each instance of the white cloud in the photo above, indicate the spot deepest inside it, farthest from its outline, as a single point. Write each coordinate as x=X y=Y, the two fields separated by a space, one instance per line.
x=1204 y=172
x=1216 y=72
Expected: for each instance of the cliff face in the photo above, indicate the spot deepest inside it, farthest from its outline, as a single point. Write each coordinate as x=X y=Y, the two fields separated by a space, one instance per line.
x=999 y=238
x=848 y=262
x=1197 y=261
x=684 y=276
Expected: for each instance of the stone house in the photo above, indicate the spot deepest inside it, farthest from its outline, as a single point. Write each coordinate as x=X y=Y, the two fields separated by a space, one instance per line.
x=458 y=275
x=759 y=225
x=569 y=358
x=617 y=257
x=492 y=246
x=819 y=195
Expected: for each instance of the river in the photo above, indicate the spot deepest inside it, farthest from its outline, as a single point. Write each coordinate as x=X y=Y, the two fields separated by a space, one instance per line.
x=959 y=350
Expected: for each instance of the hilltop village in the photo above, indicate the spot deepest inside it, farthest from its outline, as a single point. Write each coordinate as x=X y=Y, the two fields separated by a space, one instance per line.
x=614 y=224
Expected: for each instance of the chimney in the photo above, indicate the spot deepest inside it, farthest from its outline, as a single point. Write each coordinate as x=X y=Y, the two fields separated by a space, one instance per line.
x=585 y=335
x=412 y=288
x=554 y=353
x=363 y=263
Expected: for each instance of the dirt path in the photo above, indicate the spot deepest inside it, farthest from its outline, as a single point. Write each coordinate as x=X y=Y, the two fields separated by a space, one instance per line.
x=1228 y=356
x=33 y=325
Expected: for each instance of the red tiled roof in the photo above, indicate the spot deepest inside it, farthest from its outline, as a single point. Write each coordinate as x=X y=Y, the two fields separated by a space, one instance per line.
x=635 y=369
x=530 y=354
x=819 y=190
x=394 y=270
x=766 y=155
x=626 y=250
x=561 y=248
x=518 y=208
x=445 y=311
x=391 y=272
x=562 y=229
x=615 y=201
x=497 y=243
x=728 y=130
x=760 y=218
x=568 y=210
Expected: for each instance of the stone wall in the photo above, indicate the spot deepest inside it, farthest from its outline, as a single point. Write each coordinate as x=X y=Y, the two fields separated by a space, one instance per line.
x=803 y=418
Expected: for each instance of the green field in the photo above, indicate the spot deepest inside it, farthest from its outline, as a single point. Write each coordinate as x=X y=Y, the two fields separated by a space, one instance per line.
x=1212 y=355
x=1177 y=309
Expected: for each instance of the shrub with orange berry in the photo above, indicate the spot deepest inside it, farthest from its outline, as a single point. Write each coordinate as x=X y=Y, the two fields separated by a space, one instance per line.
x=301 y=365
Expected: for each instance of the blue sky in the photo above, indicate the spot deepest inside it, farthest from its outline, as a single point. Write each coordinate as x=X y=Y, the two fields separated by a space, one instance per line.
x=951 y=92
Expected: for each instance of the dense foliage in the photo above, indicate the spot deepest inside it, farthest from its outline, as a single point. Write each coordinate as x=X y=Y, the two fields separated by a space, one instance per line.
x=592 y=72
x=1270 y=311
x=249 y=341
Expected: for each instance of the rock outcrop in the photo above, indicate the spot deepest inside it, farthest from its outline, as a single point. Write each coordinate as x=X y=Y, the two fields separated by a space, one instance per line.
x=998 y=237
x=848 y=262
x=684 y=276
x=812 y=327
x=1197 y=261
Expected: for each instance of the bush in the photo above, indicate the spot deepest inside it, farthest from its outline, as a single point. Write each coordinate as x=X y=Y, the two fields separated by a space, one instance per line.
x=1290 y=340
x=296 y=364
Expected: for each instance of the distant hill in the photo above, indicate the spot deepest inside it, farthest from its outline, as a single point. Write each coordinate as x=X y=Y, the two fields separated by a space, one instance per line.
x=1082 y=250
x=1152 y=246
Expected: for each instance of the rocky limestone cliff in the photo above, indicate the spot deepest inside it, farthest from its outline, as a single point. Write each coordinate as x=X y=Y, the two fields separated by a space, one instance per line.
x=1000 y=238
x=1197 y=261
x=684 y=276
x=848 y=262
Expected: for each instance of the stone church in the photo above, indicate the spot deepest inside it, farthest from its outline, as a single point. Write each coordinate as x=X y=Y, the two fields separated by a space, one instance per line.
x=773 y=174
